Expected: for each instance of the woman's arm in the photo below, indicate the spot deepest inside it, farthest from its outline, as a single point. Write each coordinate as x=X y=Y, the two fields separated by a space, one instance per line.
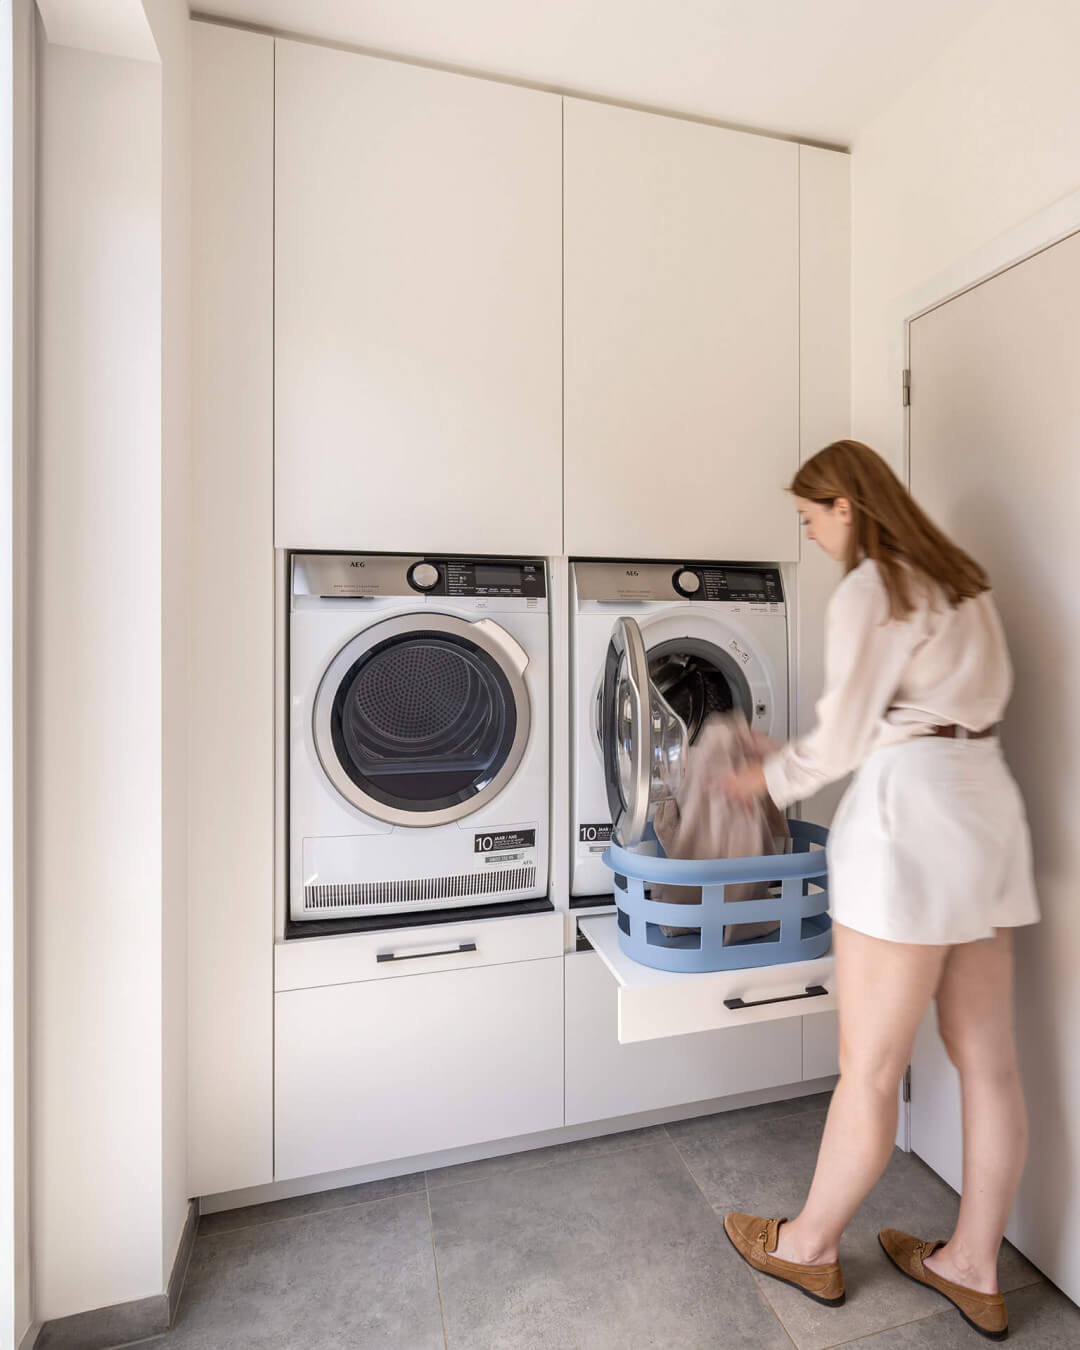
x=865 y=654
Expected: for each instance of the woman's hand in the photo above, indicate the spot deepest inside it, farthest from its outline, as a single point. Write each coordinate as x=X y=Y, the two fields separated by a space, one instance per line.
x=746 y=785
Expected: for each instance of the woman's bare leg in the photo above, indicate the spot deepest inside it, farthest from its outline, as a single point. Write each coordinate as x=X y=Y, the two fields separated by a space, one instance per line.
x=975 y=1018
x=883 y=991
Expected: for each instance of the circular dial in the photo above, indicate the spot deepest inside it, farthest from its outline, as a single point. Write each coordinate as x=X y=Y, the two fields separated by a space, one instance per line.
x=423 y=576
x=687 y=582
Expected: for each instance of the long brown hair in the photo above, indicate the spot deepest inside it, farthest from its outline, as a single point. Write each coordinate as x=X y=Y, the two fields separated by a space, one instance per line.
x=888 y=525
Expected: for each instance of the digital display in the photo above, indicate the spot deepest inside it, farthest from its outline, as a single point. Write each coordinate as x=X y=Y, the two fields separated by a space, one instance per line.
x=497 y=576
x=745 y=581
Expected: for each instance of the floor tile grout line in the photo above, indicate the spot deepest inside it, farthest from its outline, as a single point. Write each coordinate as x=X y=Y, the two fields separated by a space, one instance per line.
x=769 y=1304
x=531 y=1167
x=551 y=1162
x=435 y=1261
x=764 y=1120
x=884 y=1331
x=308 y=1214
x=713 y=1210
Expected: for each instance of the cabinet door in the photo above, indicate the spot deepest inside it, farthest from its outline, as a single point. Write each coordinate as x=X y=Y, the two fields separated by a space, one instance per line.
x=231 y=680
x=418 y=308
x=605 y=1079
x=681 y=331
x=397 y=1068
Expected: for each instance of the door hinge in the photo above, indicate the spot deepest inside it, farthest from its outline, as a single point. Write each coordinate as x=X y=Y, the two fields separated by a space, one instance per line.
x=907 y=1084
x=907 y=388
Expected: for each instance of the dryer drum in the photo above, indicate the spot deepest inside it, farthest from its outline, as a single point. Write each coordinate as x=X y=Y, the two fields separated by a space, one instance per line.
x=424 y=719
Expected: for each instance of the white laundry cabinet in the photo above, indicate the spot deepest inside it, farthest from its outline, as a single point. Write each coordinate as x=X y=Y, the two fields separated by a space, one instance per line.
x=418 y=309
x=682 y=338
x=399 y=1044
x=360 y=1062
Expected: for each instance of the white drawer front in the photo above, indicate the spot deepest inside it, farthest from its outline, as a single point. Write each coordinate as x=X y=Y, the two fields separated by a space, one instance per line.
x=605 y=1079
x=395 y=1068
x=304 y=963
x=655 y=1003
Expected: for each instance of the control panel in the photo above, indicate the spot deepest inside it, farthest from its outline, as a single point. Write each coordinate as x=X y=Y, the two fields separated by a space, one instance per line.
x=737 y=583
x=478 y=576
x=749 y=585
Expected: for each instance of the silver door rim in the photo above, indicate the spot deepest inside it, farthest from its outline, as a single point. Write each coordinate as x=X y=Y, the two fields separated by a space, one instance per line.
x=481 y=633
x=634 y=818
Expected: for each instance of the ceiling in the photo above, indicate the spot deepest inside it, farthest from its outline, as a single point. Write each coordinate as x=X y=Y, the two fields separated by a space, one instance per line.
x=817 y=70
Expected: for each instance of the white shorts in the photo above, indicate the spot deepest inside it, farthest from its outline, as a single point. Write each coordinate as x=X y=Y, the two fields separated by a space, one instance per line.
x=931 y=845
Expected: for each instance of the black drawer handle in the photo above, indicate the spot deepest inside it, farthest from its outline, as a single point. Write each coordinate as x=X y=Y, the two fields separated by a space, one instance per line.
x=418 y=956
x=812 y=991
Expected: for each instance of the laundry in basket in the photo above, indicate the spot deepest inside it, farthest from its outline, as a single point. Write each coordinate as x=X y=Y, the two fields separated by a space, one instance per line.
x=701 y=823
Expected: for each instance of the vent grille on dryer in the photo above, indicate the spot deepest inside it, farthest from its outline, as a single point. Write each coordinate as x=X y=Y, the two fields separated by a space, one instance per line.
x=418 y=890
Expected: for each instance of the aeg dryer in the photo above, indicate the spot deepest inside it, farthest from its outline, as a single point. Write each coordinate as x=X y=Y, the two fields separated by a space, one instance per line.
x=418 y=733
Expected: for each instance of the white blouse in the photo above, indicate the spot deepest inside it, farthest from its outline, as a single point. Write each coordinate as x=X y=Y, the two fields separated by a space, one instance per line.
x=889 y=681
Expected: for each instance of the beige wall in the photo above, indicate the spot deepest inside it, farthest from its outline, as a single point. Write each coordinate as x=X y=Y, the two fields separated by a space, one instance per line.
x=987 y=137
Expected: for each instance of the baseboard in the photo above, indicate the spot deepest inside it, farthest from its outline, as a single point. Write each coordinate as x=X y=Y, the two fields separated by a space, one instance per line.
x=29 y=1337
x=122 y=1323
x=328 y=1181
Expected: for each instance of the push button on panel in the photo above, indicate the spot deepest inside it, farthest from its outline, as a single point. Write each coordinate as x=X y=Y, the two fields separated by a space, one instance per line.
x=686 y=582
x=423 y=576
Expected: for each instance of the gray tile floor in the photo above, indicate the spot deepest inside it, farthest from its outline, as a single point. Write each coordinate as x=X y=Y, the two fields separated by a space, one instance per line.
x=611 y=1242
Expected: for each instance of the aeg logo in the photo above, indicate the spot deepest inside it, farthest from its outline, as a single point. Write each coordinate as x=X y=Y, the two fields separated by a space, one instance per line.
x=630 y=572
x=356 y=563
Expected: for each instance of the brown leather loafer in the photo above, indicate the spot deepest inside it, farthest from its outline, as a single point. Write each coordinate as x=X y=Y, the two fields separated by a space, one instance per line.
x=755 y=1241
x=984 y=1313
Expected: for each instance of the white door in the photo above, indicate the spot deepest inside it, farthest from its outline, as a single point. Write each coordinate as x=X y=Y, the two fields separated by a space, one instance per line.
x=418 y=308
x=681 y=330
x=995 y=458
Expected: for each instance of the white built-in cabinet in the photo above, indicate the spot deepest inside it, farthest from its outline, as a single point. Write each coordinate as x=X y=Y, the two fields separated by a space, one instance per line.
x=398 y=1044
x=606 y=1079
x=418 y=308
x=681 y=276
x=232 y=686
x=401 y=335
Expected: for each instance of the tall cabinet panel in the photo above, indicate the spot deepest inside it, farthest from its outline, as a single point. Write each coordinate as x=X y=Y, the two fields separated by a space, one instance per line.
x=231 y=843
x=681 y=331
x=418 y=308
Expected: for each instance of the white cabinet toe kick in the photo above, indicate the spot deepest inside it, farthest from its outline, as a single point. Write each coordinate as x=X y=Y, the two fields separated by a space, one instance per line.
x=657 y=1003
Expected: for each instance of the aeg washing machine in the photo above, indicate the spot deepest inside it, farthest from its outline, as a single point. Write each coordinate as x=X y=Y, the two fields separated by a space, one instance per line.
x=716 y=639
x=418 y=733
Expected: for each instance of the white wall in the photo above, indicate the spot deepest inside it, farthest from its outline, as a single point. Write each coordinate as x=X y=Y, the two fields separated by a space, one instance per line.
x=108 y=657
x=24 y=33
x=95 y=711
x=987 y=137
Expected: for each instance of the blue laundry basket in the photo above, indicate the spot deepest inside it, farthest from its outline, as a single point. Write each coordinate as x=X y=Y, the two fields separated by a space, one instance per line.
x=805 y=927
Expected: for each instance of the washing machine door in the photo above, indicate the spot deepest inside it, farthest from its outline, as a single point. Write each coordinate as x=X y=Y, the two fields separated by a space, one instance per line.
x=643 y=742
x=423 y=718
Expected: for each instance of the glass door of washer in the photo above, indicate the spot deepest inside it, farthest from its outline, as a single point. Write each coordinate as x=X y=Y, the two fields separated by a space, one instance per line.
x=422 y=719
x=643 y=742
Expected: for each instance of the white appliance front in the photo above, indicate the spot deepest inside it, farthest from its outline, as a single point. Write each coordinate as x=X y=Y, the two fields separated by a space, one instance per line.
x=716 y=638
x=418 y=733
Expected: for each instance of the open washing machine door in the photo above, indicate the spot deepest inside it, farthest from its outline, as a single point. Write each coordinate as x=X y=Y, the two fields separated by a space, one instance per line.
x=643 y=740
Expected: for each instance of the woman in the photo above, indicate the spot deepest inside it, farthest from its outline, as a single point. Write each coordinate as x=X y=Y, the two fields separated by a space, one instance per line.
x=930 y=871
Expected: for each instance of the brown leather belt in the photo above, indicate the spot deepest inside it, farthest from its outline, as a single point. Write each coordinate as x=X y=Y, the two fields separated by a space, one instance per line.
x=958 y=733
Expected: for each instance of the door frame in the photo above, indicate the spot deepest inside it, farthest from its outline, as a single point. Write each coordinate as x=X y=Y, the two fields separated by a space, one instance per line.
x=1032 y=236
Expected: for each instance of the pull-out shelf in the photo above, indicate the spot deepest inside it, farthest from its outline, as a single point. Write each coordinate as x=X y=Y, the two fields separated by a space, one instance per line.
x=657 y=1003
